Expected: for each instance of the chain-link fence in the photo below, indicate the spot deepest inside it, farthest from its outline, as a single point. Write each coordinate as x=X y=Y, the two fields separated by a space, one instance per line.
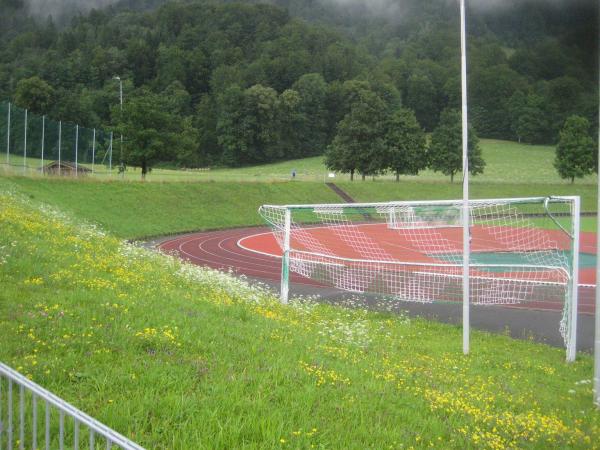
x=36 y=143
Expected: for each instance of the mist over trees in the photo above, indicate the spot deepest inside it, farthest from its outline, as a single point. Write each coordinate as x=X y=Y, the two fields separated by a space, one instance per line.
x=252 y=83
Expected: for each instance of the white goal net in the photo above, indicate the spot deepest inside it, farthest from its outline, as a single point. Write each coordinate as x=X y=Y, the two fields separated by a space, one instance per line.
x=523 y=251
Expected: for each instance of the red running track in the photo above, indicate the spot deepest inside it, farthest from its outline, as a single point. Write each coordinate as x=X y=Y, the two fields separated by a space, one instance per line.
x=254 y=252
x=220 y=250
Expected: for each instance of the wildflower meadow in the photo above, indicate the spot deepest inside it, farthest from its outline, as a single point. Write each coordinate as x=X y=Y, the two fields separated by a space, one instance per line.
x=175 y=356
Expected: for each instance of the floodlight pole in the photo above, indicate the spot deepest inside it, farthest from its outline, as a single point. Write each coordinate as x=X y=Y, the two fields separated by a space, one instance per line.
x=597 y=328
x=465 y=164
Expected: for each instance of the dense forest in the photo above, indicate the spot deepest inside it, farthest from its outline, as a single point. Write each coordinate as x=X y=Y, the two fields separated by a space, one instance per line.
x=240 y=83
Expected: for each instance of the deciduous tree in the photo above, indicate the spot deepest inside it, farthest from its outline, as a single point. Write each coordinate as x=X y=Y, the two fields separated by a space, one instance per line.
x=405 y=142
x=575 y=152
x=445 y=151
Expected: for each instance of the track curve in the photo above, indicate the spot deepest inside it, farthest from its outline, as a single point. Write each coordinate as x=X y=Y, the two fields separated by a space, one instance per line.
x=222 y=250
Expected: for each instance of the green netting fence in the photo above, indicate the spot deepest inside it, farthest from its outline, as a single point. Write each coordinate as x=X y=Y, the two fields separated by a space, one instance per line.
x=37 y=144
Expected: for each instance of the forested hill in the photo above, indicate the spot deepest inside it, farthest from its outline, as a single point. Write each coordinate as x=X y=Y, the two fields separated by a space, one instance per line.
x=244 y=83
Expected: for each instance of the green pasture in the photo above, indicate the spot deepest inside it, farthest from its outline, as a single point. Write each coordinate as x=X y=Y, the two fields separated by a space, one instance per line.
x=507 y=162
x=174 y=356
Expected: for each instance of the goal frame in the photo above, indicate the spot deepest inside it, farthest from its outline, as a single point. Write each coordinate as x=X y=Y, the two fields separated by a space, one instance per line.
x=573 y=273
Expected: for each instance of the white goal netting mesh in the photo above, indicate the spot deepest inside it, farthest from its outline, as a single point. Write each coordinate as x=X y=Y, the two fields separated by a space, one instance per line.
x=521 y=250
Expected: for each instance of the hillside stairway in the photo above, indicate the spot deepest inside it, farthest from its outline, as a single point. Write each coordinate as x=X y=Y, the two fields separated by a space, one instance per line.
x=346 y=197
x=340 y=192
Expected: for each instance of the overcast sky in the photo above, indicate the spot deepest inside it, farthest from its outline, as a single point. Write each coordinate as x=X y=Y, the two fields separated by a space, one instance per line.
x=384 y=8
x=57 y=8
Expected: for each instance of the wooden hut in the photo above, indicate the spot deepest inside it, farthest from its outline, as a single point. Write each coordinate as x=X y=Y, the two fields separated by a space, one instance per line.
x=64 y=168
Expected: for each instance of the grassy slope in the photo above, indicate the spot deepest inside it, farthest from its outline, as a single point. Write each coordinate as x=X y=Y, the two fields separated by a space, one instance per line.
x=133 y=210
x=200 y=361
x=138 y=209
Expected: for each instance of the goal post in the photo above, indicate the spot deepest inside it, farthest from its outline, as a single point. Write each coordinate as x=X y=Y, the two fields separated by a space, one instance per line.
x=523 y=251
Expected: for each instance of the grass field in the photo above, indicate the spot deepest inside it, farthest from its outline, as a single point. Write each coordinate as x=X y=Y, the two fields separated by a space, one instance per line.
x=174 y=356
x=507 y=162
x=136 y=210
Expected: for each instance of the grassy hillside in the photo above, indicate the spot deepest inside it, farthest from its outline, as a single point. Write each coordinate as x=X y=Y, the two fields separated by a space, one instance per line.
x=179 y=357
x=132 y=210
x=507 y=162
x=136 y=209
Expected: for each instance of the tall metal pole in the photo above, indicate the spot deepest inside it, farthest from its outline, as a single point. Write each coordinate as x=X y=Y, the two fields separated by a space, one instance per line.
x=8 y=137
x=25 y=142
x=465 y=164
x=43 y=140
x=597 y=328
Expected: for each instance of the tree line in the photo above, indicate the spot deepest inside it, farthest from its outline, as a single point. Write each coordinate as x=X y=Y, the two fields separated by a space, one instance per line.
x=236 y=84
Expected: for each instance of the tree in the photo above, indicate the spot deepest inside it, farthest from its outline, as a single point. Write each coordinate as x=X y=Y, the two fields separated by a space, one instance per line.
x=312 y=89
x=230 y=132
x=291 y=122
x=575 y=152
x=422 y=98
x=359 y=143
x=445 y=151
x=34 y=94
x=491 y=90
x=261 y=105
x=405 y=142
x=247 y=126
x=150 y=132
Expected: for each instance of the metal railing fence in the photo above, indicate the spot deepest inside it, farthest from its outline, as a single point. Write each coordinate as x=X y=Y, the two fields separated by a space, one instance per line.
x=32 y=417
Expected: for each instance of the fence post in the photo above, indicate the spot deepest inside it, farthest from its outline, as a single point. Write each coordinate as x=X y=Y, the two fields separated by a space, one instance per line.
x=8 y=138
x=59 y=143
x=110 y=154
x=76 y=146
x=43 y=140
x=93 y=149
x=25 y=142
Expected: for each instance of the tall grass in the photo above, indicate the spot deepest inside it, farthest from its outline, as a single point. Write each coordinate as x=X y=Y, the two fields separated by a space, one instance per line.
x=175 y=356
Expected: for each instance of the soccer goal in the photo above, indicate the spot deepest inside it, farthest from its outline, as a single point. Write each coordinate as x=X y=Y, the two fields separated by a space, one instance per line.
x=524 y=251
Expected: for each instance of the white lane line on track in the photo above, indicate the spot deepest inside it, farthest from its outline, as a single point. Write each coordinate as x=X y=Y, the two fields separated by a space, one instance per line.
x=261 y=262
x=239 y=244
x=217 y=259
